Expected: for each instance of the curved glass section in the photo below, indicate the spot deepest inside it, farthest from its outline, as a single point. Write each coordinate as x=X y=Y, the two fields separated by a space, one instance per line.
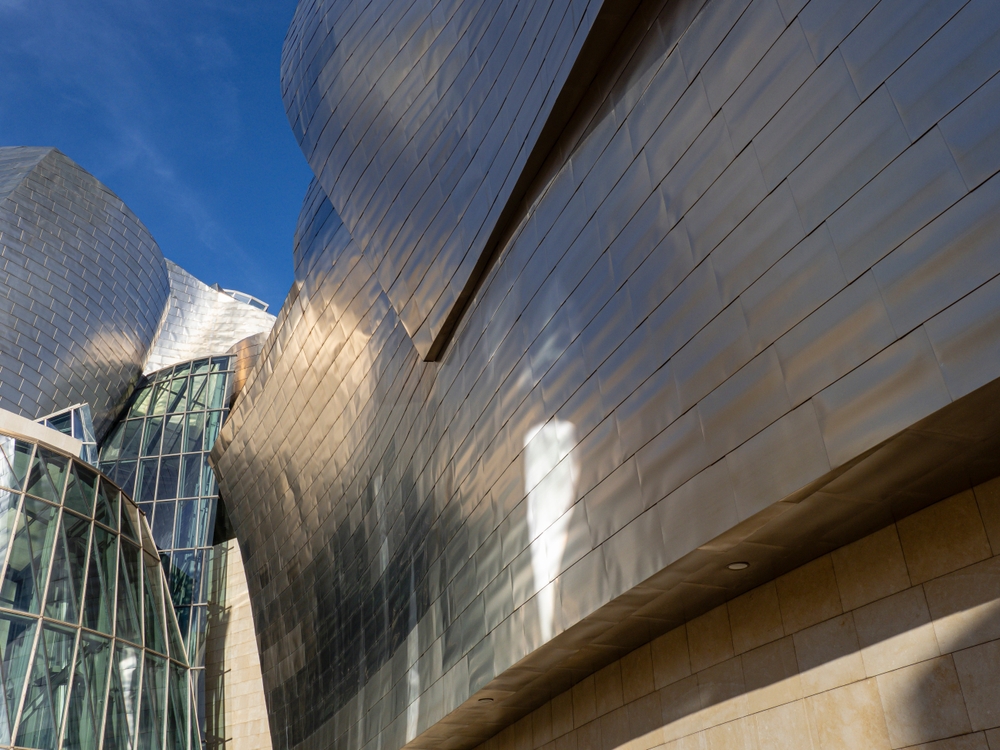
x=90 y=651
x=159 y=453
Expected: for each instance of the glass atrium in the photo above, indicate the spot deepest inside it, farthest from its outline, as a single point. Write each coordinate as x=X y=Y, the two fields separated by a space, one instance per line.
x=91 y=653
x=159 y=452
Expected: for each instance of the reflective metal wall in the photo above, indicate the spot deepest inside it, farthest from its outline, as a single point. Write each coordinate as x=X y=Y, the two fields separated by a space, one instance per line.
x=201 y=322
x=92 y=656
x=425 y=119
x=82 y=284
x=749 y=300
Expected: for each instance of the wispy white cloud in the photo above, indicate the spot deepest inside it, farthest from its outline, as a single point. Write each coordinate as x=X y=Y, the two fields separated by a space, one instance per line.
x=103 y=57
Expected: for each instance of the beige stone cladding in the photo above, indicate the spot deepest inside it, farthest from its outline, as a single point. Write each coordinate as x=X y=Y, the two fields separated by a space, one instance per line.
x=890 y=642
x=237 y=717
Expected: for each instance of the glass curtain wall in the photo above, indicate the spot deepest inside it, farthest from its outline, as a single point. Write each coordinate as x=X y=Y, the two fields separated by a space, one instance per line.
x=90 y=653
x=159 y=452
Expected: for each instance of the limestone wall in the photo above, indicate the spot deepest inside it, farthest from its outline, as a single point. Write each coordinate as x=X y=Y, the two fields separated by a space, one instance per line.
x=890 y=642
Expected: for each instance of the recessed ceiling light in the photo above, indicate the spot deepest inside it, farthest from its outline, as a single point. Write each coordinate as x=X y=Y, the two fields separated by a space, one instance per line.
x=485 y=700
x=738 y=565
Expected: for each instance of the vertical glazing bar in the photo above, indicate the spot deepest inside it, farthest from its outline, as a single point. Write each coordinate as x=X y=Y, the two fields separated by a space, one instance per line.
x=16 y=723
x=69 y=690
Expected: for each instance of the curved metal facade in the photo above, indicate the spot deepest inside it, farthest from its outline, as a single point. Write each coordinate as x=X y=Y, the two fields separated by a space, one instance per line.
x=424 y=123
x=751 y=298
x=201 y=322
x=83 y=287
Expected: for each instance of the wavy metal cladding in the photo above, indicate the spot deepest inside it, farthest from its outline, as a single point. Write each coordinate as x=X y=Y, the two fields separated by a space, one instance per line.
x=750 y=311
x=82 y=289
x=425 y=121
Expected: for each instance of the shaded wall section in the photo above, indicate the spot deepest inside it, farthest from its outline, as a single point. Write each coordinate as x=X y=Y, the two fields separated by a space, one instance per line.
x=83 y=288
x=747 y=311
x=237 y=713
x=892 y=641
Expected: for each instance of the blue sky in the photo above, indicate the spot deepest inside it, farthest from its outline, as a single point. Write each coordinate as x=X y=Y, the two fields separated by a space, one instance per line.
x=175 y=105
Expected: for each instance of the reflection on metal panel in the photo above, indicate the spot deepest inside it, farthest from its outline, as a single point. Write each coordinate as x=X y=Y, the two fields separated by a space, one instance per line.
x=83 y=285
x=423 y=147
x=652 y=315
x=201 y=321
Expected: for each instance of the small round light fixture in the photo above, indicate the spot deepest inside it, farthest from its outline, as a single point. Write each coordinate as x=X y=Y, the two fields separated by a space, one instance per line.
x=738 y=565
x=485 y=701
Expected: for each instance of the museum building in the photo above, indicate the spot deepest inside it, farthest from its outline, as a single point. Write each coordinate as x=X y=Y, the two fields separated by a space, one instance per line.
x=638 y=384
x=114 y=358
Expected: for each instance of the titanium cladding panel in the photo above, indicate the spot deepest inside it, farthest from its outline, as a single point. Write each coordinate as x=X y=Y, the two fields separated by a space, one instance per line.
x=201 y=322
x=418 y=120
x=82 y=289
x=751 y=297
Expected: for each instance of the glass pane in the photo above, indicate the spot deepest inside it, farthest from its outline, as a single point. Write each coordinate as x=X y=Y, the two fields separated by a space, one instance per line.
x=177 y=712
x=130 y=520
x=220 y=363
x=178 y=395
x=48 y=473
x=199 y=367
x=8 y=516
x=80 y=489
x=106 y=510
x=176 y=642
x=42 y=714
x=173 y=433
x=191 y=476
x=196 y=638
x=185 y=577
x=141 y=404
x=206 y=519
x=8 y=477
x=163 y=526
x=122 y=698
x=145 y=488
x=166 y=488
x=196 y=399
x=61 y=423
x=194 y=437
x=17 y=635
x=90 y=684
x=187 y=525
x=101 y=575
x=208 y=485
x=68 y=568
x=111 y=449
x=22 y=459
x=129 y=625
x=153 y=605
x=217 y=391
x=182 y=369
x=213 y=421
x=160 y=396
x=151 y=436
x=154 y=695
x=124 y=476
x=30 y=554
x=132 y=439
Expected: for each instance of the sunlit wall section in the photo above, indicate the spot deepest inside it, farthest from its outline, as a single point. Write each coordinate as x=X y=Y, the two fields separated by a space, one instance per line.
x=159 y=453
x=83 y=288
x=201 y=321
x=91 y=653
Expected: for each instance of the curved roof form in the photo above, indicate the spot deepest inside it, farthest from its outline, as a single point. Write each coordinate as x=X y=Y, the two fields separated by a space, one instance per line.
x=83 y=288
x=201 y=321
x=425 y=123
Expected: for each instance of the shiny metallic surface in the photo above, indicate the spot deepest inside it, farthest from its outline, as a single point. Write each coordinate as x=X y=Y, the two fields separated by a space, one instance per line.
x=428 y=123
x=83 y=288
x=201 y=321
x=747 y=310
